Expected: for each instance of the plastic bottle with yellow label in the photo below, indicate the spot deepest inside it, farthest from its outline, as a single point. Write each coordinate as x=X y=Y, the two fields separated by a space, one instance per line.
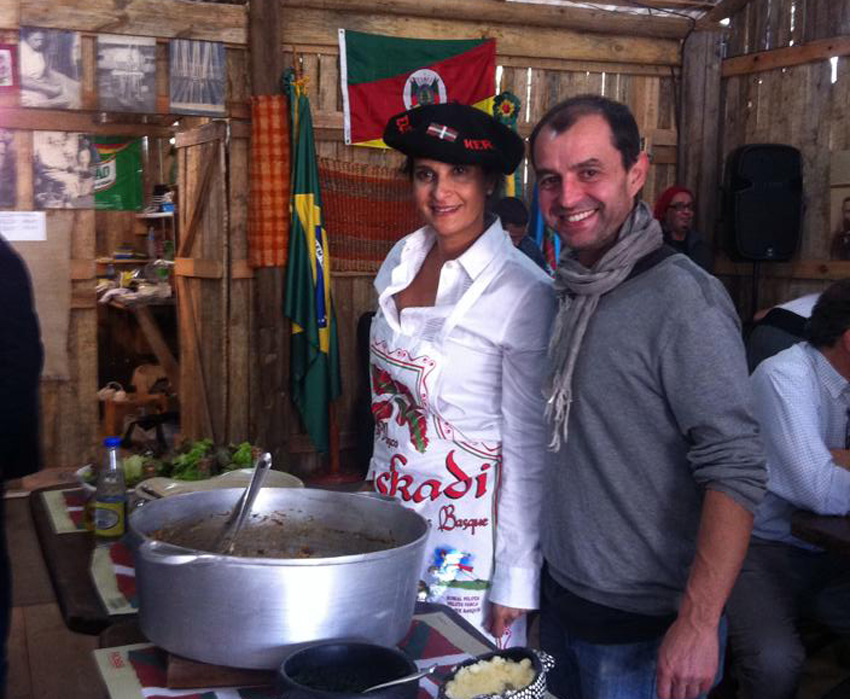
x=110 y=505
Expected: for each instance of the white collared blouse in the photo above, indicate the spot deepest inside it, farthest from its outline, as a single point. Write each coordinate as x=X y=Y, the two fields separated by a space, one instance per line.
x=491 y=379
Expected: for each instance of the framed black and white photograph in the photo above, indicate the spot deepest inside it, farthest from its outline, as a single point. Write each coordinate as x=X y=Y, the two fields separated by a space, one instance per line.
x=197 y=77
x=126 y=73
x=8 y=68
x=8 y=171
x=50 y=68
x=64 y=168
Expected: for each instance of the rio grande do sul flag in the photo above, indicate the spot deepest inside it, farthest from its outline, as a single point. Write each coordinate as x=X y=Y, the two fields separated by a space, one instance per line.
x=382 y=76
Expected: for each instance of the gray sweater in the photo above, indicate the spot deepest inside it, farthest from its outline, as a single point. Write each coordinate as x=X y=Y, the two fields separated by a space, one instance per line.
x=662 y=410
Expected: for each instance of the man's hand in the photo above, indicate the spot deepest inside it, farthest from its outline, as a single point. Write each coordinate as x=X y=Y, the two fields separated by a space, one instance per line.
x=501 y=618
x=841 y=457
x=687 y=660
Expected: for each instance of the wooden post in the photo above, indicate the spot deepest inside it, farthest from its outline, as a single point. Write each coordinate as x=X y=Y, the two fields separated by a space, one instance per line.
x=699 y=156
x=265 y=40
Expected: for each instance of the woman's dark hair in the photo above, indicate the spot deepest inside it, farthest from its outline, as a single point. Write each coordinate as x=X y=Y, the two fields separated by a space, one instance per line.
x=830 y=316
x=623 y=125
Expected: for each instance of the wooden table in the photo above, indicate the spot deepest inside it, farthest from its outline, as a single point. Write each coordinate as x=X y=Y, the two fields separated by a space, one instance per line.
x=68 y=557
x=830 y=533
x=128 y=632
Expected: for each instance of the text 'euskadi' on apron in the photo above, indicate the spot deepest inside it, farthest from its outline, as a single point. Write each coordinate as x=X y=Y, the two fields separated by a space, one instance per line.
x=421 y=460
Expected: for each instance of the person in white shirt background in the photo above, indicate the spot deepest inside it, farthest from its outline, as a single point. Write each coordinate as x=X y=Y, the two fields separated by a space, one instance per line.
x=802 y=402
x=457 y=353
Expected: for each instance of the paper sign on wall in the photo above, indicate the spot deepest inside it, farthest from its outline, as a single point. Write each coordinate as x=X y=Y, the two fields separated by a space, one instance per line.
x=28 y=226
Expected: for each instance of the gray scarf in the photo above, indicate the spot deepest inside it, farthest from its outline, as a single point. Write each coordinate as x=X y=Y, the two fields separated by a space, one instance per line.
x=579 y=289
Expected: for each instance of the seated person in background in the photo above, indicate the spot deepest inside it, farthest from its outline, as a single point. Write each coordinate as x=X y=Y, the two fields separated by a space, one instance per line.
x=802 y=400
x=514 y=216
x=778 y=328
x=841 y=238
x=675 y=211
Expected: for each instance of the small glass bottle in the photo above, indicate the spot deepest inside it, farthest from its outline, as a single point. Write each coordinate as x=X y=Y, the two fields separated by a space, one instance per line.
x=110 y=500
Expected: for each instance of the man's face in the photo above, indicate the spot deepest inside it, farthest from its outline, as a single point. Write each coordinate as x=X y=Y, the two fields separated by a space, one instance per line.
x=680 y=214
x=585 y=192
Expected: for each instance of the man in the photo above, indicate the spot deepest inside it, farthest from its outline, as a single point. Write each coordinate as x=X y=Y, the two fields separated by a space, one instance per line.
x=20 y=367
x=674 y=209
x=658 y=463
x=802 y=398
x=41 y=84
x=841 y=238
x=514 y=217
x=778 y=328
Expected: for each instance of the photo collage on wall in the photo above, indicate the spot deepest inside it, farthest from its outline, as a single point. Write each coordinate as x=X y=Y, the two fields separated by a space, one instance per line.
x=77 y=170
x=126 y=73
x=64 y=167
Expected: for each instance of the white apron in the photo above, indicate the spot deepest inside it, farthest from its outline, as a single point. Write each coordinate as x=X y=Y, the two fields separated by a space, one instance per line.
x=419 y=459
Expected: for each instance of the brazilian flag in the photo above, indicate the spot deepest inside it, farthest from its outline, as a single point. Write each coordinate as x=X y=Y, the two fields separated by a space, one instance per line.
x=314 y=350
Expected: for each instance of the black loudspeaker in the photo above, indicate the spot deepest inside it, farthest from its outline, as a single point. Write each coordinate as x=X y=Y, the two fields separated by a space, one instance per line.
x=763 y=201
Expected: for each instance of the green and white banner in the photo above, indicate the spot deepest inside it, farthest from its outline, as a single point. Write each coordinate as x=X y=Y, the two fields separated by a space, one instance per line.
x=118 y=178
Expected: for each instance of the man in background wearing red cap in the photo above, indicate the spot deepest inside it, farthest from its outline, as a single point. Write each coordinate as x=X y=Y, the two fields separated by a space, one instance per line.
x=675 y=211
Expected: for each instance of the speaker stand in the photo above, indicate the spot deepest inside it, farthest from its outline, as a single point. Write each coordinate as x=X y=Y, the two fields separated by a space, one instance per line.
x=755 y=288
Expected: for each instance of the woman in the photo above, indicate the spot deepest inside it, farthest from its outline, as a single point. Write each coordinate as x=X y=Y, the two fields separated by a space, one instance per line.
x=457 y=353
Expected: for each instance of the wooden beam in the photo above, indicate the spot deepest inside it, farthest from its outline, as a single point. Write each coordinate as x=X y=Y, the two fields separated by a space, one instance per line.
x=689 y=5
x=157 y=342
x=724 y=9
x=198 y=268
x=820 y=270
x=10 y=14
x=266 y=55
x=214 y=131
x=162 y=18
x=818 y=50
x=488 y=12
x=81 y=270
x=698 y=162
x=211 y=269
x=318 y=28
x=87 y=122
x=83 y=298
x=660 y=71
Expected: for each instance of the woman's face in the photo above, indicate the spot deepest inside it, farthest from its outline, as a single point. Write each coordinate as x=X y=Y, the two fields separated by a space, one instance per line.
x=450 y=197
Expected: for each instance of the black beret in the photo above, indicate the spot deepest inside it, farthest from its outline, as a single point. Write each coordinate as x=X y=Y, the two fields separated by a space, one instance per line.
x=455 y=133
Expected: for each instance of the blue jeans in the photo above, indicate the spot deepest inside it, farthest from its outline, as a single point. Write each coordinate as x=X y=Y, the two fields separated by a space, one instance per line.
x=592 y=671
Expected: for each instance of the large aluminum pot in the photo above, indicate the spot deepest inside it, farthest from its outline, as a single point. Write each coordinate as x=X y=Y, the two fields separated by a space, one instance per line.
x=250 y=612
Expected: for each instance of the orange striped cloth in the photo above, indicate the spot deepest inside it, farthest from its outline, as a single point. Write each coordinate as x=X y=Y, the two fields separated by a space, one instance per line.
x=367 y=209
x=268 y=212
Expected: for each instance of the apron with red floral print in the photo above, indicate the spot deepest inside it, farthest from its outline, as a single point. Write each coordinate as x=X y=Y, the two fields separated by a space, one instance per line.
x=421 y=460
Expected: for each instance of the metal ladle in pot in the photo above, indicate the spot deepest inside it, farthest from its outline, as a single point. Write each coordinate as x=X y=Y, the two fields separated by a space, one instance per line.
x=401 y=680
x=227 y=538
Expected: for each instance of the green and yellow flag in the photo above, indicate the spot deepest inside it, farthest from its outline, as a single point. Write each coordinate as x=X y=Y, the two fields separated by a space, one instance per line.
x=314 y=351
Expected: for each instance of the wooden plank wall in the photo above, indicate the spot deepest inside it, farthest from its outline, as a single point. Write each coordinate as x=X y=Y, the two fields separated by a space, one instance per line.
x=541 y=64
x=541 y=73
x=69 y=407
x=797 y=105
